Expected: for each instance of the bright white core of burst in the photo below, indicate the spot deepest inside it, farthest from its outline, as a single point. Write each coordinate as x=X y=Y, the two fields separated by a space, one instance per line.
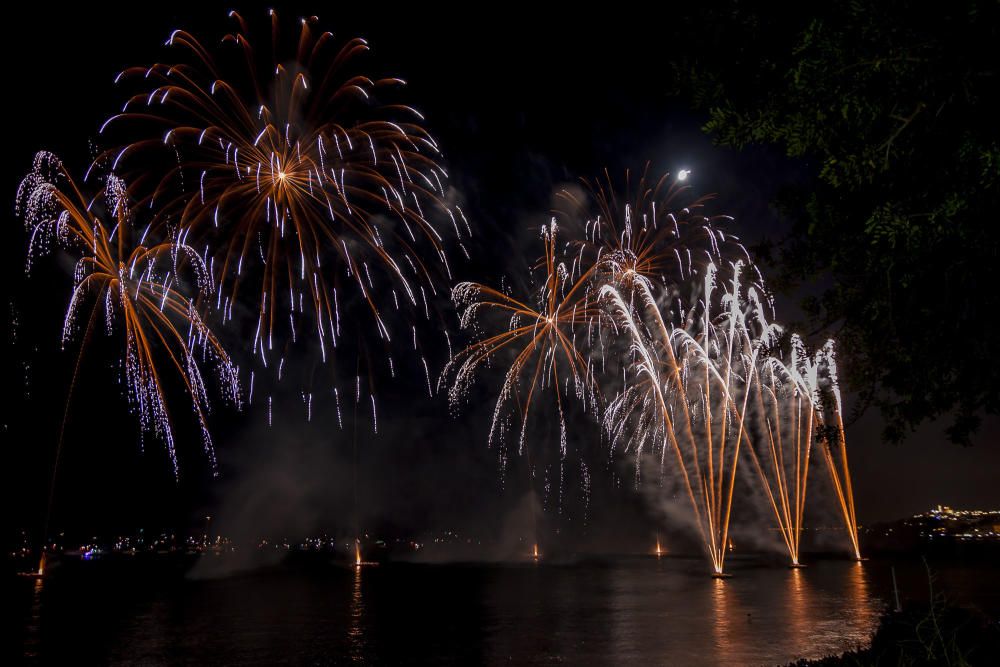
x=683 y=174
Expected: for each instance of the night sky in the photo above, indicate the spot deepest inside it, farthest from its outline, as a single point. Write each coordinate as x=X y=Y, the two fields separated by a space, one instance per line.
x=521 y=105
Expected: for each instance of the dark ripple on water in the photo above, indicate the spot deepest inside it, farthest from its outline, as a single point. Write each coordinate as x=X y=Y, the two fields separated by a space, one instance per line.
x=645 y=611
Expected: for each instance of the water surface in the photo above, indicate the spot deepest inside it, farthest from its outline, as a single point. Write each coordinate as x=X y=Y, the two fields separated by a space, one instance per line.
x=626 y=611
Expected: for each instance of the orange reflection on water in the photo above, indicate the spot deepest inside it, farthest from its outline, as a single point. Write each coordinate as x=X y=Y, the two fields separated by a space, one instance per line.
x=860 y=597
x=798 y=597
x=857 y=584
x=731 y=623
x=865 y=608
x=32 y=637
x=816 y=630
x=355 y=630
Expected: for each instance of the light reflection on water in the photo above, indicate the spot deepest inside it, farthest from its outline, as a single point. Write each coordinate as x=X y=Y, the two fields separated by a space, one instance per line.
x=355 y=630
x=672 y=612
x=728 y=621
x=652 y=611
x=776 y=615
x=799 y=601
x=32 y=636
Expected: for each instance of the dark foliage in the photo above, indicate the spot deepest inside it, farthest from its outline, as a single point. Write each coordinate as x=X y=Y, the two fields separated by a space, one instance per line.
x=893 y=108
x=923 y=636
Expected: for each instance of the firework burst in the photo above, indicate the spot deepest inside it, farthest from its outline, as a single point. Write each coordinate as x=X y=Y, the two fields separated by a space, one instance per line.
x=296 y=175
x=833 y=443
x=643 y=232
x=785 y=402
x=693 y=371
x=548 y=342
x=797 y=406
x=140 y=286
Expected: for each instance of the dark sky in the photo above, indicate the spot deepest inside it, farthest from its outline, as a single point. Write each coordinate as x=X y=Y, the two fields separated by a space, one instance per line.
x=520 y=104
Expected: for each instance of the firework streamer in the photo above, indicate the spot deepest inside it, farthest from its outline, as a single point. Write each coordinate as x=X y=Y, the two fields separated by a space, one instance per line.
x=691 y=384
x=138 y=286
x=301 y=178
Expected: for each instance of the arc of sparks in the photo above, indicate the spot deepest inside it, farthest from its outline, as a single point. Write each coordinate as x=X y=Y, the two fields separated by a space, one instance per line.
x=140 y=284
x=546 y=342
x=297 y=177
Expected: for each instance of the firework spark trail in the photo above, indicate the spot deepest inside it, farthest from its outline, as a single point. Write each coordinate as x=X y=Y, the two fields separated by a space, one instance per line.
x=806 y=384
x=139 y=288
x=634 y=244
x=834 y=447
x=693 y=383
x=785 y=403
x=642 y=233
x=811 y=383
x=700 y=380
x=291 y=161
x=622 y=243
x=543 y=339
